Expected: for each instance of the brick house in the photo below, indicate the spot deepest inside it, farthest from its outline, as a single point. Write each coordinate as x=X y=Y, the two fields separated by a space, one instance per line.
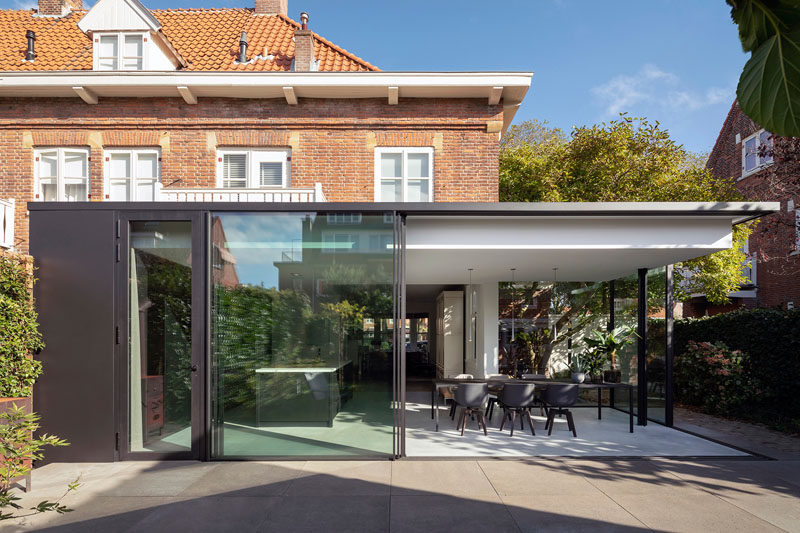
x=145 y=105
x=234 y=221
x=742 y=153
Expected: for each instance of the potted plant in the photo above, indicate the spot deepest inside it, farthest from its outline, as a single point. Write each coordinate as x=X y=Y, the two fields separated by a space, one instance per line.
x=593 y=362
x=607 y=343
x=577 y=368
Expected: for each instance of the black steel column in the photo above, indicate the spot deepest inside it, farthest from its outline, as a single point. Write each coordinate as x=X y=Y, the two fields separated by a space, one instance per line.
x=611 y=310
x=402 y=335
x=641 y=364
x=669 y=386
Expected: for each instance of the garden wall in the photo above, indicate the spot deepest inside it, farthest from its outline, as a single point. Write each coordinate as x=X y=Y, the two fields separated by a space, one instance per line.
x=770 y=343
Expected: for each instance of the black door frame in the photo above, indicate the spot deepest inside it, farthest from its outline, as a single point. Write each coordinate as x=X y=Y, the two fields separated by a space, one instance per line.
x=199 y=395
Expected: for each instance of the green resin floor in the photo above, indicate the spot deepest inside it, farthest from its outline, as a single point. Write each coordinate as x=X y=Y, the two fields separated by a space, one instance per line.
x=363 y=427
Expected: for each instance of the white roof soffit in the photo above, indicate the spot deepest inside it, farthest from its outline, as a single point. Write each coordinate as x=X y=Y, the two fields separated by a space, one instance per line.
x=485 y=85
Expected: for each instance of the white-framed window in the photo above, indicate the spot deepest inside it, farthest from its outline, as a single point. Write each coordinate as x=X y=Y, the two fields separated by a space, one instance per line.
x=344 y=219
x=254 y=168
x=404 y=174
x=131 y=175
x=754 y=157
x=119 y=51
x=336 y=242
x=61 y=174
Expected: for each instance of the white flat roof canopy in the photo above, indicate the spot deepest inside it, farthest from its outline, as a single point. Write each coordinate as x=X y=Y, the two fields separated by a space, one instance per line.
x=581 y=243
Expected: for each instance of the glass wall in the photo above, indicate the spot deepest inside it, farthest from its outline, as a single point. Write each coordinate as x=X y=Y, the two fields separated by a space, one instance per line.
x=301 y=341
x=543 y=323
x=160 y=333
x=626 y=314
x=656 y=344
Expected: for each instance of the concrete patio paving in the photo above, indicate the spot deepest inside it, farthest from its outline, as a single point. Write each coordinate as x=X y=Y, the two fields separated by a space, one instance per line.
x=530 y=494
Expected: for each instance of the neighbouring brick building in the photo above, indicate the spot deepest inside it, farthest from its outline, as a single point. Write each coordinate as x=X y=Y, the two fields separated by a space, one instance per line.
x=743 y=154
x=123 y=103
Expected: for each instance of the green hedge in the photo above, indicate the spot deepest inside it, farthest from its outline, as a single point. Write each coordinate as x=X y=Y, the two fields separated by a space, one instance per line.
x=769 y=340
x=19 y=329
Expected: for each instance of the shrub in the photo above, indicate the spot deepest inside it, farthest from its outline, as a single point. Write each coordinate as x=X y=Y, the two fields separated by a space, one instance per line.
x=712 y=376
x=769 y=340
x=19 y=448
x=19 y=333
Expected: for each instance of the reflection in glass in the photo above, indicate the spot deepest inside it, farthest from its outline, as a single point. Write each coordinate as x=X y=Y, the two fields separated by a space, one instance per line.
x=626 y=313
x=656 y=344
x=160 y=341
x=301 y=330
x=550 y=320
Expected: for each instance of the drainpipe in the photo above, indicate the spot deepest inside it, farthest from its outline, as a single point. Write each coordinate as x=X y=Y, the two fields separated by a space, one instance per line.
x=30 y=55
x=243 y=48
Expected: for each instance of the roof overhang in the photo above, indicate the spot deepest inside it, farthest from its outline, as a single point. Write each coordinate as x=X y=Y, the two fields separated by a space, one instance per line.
x=506 y=88
x=584 y=241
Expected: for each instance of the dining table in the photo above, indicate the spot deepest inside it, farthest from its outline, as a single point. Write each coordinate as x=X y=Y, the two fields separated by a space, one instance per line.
x=496 y=384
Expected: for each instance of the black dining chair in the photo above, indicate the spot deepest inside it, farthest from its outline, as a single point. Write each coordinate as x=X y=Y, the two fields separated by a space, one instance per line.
x=448 y=392
x=558 y=399
x=517 y=399
x=471 y=397
x=494 y=391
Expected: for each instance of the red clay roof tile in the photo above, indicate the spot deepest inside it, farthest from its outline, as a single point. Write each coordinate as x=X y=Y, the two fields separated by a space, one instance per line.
x=208 y=39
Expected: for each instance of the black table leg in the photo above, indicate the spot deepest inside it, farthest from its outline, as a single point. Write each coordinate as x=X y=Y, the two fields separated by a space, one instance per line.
x=611 y=397
x=599 y=403
x=630 y=406
x=433 y=393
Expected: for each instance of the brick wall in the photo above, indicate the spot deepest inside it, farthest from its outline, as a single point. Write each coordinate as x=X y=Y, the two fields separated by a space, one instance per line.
x=778 y=267
x=332 y=141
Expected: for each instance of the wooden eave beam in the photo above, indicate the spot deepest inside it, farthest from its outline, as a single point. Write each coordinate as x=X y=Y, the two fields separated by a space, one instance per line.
x=86 y=95
x=187 y=95
x=291 y=98
x=495 y=94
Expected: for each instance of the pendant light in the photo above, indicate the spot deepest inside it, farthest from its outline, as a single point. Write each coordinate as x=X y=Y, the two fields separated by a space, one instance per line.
x=553 y=301
x=471 y=301
x=513 y=299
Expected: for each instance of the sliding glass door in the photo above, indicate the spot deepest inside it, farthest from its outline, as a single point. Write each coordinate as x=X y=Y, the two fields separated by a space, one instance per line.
x=160 y=337
x=302 y=340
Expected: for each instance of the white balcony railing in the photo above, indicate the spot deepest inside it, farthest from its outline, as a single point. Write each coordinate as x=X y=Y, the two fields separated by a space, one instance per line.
x=314 y=194
x=7 y=224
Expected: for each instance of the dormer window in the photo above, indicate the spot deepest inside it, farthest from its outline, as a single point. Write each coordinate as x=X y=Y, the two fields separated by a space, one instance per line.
x=119 y=51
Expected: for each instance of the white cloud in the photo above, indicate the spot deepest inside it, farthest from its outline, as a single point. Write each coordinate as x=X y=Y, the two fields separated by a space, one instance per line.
x=25 y=4
x=652 y=86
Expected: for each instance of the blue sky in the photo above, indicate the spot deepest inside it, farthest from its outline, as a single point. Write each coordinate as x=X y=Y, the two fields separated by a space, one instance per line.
x=675 y=61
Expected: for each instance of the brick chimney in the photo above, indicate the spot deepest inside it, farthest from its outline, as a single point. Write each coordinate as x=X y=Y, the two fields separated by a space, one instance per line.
x=58 y=8
x=271 y=7
x=304 y=60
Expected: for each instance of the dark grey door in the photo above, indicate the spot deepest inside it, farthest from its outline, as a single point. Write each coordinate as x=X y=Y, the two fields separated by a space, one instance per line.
x=161 y=314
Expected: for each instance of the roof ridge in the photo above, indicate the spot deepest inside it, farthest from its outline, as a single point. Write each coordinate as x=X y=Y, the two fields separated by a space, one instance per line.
x=332 y=45
x=212 y=9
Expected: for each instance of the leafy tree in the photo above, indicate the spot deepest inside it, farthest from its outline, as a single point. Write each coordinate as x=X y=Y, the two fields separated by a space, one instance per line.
x=769 y=87
x=630 y=160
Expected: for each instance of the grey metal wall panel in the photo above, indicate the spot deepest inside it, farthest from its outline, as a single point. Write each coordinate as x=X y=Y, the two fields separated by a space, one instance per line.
x=74 y=255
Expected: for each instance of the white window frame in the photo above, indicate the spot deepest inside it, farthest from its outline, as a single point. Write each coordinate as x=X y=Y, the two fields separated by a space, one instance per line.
x=120 y=36
x=405 y=151
x=255 y=156
x=132 y=153
x=332 y=239
x=38 y=196
x=761 y=162
x=344 y=219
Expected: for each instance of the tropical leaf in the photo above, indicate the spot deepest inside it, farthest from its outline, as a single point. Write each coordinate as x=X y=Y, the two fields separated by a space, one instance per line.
x=769 y=88
x=752 y=18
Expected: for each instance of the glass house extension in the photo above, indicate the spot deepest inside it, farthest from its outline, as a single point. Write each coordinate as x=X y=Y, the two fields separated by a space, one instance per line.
x=236 y=331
